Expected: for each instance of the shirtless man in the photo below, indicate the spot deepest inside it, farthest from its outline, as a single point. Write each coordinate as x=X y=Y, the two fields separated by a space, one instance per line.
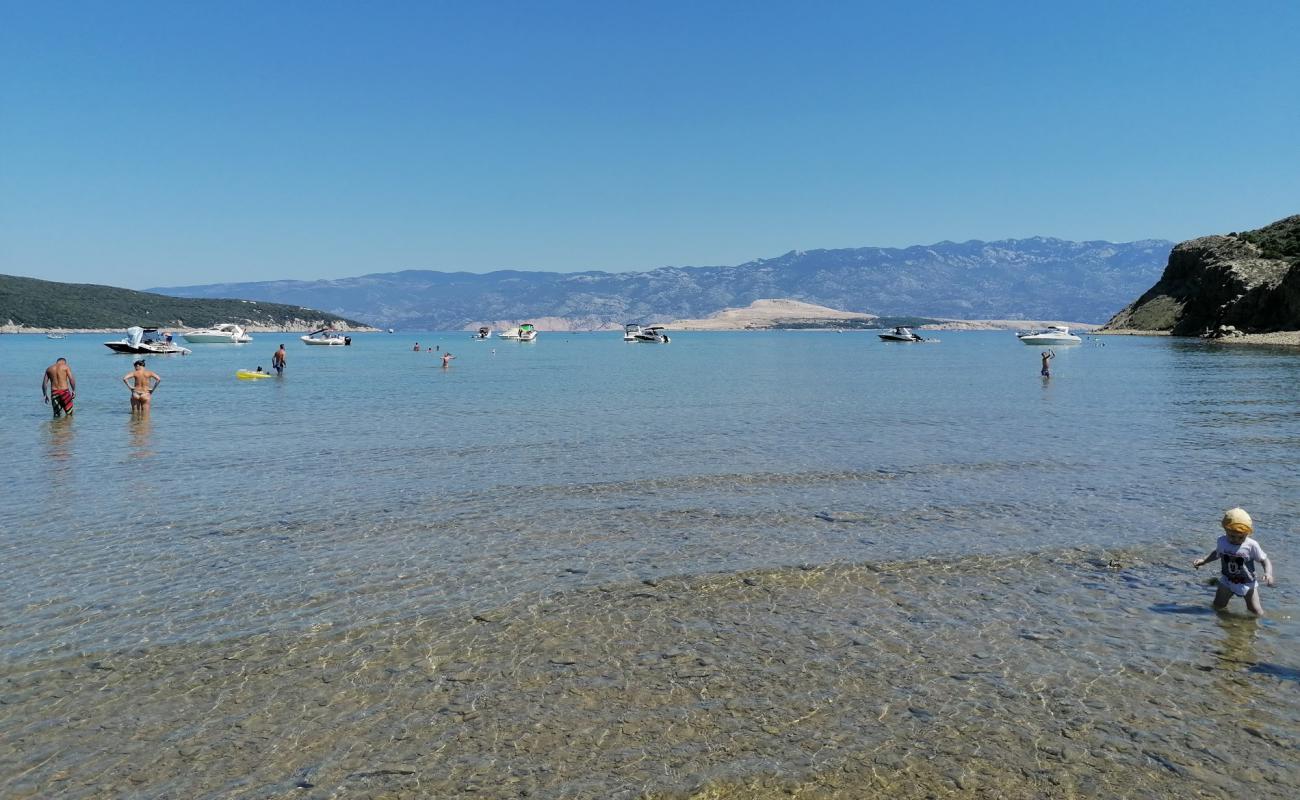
x=1046 y=371
x=141 y=390
x=277 y=361
x=58 y=387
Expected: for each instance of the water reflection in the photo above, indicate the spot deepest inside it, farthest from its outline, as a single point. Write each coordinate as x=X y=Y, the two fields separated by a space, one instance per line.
x=140 y=430
x=60 y=434
x=1235 y=655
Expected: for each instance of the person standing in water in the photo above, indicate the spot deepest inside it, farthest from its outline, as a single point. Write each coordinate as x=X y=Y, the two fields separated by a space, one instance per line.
x=1238 y=556
x=277 y=361
x=142 y=390
x=1048 y=355
x=446 y=359
x=59 y=387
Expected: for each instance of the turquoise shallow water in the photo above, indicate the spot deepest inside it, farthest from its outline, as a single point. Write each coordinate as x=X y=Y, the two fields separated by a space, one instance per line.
x=741 y=565
x=369 y=482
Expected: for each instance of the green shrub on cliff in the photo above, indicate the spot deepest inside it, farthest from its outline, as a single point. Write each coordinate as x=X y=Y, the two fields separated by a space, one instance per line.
x=1281 y=240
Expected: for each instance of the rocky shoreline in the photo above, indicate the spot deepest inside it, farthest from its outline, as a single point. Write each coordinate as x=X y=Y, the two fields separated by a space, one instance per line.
x=1286 y=338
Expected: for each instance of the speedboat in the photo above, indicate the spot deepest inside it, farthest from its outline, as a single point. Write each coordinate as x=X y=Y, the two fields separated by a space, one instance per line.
x=55 y=336
x=509 y=333
x=225 y=333
x=900 y=334
x=630 y=331
x=326 y=336
x=483 y=333
x=654 y=333
x=1052 y=335
x=146 y=341
x=527 y=332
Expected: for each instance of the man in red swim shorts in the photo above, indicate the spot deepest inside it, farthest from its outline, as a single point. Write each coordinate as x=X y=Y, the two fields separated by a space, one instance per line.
x=58 y=387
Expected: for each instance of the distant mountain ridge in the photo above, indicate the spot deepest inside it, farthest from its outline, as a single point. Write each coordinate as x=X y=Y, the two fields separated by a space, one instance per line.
x=1008 y=279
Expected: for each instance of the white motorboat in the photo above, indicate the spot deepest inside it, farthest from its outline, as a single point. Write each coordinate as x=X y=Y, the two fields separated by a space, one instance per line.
x=509 y=333
x=1051 y=335
x=653 y=333
x=225 y=333
x=146 y=341
x=900 y=334
x=527 y=332
x=325 y=336
x=55 y=336
x=630 y=331
x=483 y=333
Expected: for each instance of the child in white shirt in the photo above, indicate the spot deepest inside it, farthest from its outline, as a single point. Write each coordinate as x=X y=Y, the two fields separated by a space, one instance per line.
x=1237 y=554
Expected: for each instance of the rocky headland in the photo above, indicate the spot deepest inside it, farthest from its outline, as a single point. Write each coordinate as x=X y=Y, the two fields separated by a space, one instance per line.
x=1237 y=287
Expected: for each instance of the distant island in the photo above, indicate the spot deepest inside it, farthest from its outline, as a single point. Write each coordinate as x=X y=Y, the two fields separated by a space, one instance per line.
x=768 y=314
x=1240 y=285
x=29 y=304
x=1038 y=278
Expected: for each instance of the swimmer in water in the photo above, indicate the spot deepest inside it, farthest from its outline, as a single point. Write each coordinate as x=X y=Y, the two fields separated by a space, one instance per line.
x=139 y=382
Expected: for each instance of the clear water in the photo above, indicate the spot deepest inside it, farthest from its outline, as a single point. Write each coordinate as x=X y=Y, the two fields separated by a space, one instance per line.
x=369 y=485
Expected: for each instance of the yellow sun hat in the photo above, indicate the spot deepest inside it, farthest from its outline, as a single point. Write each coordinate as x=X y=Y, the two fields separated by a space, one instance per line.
x=1237 y=520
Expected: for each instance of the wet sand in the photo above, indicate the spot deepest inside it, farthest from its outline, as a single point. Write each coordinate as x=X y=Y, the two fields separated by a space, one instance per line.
x=1067 y=674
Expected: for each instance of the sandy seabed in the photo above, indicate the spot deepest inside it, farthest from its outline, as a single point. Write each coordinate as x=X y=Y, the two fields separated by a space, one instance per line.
x=1049 y=675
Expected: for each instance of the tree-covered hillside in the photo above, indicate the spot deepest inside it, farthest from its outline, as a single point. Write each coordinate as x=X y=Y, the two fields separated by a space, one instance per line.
x=32 y=303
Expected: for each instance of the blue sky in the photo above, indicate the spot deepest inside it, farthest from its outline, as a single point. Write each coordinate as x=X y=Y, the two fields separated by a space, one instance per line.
x=179 y=143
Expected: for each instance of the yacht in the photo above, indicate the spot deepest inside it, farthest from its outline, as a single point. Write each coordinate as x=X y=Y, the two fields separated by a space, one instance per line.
x=509 y=333
x=146 y=341
x=900 y=334
x=225 y=333
x=483 y=333
x=653 y=333
x=631 y=331
x=527 y=332
x=1051 y=335
x=325 y=336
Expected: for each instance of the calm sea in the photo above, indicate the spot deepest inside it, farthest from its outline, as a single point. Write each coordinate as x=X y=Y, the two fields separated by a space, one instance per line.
x=369 y=484
x=236 y=501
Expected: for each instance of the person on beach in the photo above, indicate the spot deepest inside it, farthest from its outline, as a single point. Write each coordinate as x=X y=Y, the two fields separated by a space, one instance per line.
x=1048 y=355
x=1237 y=554
x=59 y=387
x=446 y=359
x=277 y=361
x=142 y=390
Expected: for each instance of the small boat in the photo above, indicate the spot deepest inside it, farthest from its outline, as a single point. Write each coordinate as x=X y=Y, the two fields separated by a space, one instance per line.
x=146 y=341
x=251 y=374
x=325 y=336
x=390 y=330
x=527 y=332
x=509 y=333
x=1051 y=335
x=55 y=336
x=630 y=331
x=483 y=333
x=900 y=334
x=653 y=333
x=225 y=333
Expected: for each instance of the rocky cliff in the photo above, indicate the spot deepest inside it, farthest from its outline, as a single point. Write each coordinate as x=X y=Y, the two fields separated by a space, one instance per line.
x=1246 y=282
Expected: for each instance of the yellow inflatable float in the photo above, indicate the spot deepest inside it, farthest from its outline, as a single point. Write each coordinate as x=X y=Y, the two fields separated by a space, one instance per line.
x=248 y=374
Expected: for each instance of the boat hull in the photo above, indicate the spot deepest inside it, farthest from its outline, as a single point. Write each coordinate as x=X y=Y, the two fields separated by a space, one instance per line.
x=1051 y=341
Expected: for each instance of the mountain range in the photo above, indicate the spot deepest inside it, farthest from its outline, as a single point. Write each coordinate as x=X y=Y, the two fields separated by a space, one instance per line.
x=1035 y=278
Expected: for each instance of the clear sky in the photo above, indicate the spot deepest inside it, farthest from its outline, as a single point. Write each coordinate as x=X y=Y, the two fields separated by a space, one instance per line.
x=146 y=144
